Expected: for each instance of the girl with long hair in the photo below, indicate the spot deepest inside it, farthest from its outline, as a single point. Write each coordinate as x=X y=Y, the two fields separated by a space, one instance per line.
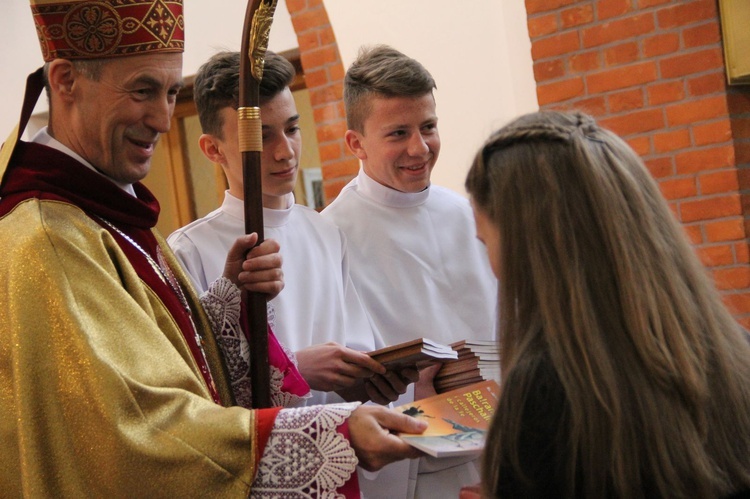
x=623 y=374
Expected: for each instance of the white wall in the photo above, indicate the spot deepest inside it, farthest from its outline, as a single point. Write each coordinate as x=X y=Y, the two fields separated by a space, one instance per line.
x=477 y=50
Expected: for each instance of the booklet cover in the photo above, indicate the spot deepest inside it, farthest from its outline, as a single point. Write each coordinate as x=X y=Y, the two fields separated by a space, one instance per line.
x=458 y=420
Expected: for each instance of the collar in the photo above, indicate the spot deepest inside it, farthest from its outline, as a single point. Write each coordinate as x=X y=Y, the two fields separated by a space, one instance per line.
x=44 y=138
x=371 y=189
x=235 y=207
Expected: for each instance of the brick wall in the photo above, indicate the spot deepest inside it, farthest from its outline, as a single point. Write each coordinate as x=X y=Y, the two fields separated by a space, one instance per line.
x=324 y=78
x=653 y=72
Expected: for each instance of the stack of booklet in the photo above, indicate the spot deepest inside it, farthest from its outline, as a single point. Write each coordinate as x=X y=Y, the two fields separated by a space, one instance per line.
x=417 y=353
x=477 y=360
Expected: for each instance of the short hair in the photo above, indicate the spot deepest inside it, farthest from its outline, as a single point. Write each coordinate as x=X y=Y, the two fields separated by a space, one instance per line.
x=381 y=71
x=217 y=85
x=89 y=68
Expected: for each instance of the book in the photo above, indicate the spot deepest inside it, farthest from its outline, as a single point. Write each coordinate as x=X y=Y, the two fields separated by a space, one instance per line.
x=478 y=360
x=457 y=420
x=418 y=353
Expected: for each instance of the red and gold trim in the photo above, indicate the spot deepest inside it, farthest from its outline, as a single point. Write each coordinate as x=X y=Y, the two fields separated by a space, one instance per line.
x=88 y=29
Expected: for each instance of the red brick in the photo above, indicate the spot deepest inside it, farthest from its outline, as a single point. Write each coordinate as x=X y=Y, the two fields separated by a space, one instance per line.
x=316 y=78
x=612 y=8
x=681 y=188
x=310 y=19
x=622 y=77
x=660 y=167
x=719 y=182
x=672 y=140
x=308 y=41
x=319 y=57
x=725 y=230
x=295 y=6
x=714 y=256
x=585 y=61
x=330 y=152
x=737 y=277
x=335 y=169
x=621 y=54
x=336 y=72
x=742 y=252
x=705 y=34
x=542 y=25
x=690 y=63
x=737 y=302
x=696 y=110
x=711 y=158
x=559 y=91
x=683 y=13
x=694 y=233
x=555 y=45
x=641 y=145
x=622 y=29
x=662 y=93
x=536 y=6
x=332 y=188
x=625 y=101
x=327 y=94
x=712 y=133
x=577 y=16
x=642 y=4
x=595 y=106
x=663 y=43
x=331 y=132
x=549 y=69
x=710 y=208
x=707 y=84
x=635 y=122
x=327 y=37
x=325 y=113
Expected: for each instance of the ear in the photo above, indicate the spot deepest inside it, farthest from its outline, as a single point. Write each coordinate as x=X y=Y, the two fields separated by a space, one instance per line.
x=62 y=78
x=353 y=140
x=212 y=149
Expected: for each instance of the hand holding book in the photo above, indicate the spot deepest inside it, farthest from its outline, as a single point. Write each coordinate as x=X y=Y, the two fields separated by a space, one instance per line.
x=457 y=420
x=402 y=362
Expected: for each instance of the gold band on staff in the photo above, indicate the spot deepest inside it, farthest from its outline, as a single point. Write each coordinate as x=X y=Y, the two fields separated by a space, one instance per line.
x=250 y=129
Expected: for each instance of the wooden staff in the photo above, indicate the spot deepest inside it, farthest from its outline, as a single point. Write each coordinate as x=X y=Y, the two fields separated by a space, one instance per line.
x=258 y=20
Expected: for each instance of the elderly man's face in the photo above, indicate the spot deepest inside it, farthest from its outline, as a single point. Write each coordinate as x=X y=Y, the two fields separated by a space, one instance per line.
x=118 y=119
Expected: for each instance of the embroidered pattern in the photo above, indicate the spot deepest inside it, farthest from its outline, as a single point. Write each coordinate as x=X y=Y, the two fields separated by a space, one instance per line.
x=99 y=28
x=93 y=29
x=305 y=456
x=222 y=304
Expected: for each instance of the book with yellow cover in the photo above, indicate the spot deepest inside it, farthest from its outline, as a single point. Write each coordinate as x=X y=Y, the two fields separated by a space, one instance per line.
x=457 y=420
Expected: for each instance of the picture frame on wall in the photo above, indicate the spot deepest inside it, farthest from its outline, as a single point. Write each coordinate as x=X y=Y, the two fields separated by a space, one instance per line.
x=735 y=22
x=313 y=182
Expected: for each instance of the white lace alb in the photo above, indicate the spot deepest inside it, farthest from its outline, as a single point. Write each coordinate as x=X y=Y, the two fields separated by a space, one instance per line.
x=305 y=456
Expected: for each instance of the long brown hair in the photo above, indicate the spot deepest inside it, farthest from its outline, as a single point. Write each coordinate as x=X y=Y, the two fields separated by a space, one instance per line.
x=599 y=284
